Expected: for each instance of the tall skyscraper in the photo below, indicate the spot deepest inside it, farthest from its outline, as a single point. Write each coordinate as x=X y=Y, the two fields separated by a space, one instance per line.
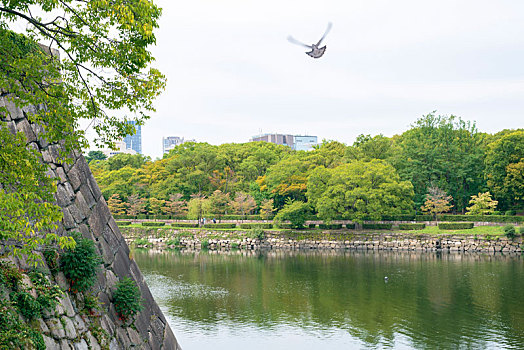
x=134 y=142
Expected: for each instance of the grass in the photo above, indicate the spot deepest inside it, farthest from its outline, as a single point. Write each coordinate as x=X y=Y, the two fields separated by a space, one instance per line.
x=477 y=230
x=319 y=234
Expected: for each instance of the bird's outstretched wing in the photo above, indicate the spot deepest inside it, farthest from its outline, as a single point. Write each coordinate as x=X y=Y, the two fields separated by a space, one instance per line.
x=326 y=33
x=295 y=41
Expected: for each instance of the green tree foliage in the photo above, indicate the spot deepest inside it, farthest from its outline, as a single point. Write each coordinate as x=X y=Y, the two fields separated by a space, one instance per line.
x=27 y=215
x=504 y=169
x=445 y=151
x=218 y=203
x=294 y=211
x=359 y=190
x=367 y=148
x=104 y=67
x=95 y=155
x=104 y=63
x=267 y=209
x=196 y=206
x=481 y=204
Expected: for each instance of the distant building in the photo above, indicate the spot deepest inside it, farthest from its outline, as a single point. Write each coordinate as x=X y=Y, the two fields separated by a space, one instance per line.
x=121 y=148
x=134 y=142
x=170 y=142
x=279 y=139
x=297 y=142
x=305 y=143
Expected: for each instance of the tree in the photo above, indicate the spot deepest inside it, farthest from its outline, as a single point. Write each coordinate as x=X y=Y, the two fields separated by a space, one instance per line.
x=243 y=204
x=176 y=205
x=482 y=204
x=294 y=211
x=95 y=155
x=267 y=209
x=445 y=151
x=157 y=206
x=196 y=206
x=359 y=191
x=103 y=68
x=116 y=206
x=437 y=202
x=503 y=171
x=136 y=206
x=218 y=203
x=367 y=148
x=103 y=65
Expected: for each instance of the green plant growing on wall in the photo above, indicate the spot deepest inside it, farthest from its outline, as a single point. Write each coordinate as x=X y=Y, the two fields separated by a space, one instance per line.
x=127 y=299
x=80 y=264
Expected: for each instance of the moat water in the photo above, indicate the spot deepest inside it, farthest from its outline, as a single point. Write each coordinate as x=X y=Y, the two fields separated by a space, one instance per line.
x=278 y=300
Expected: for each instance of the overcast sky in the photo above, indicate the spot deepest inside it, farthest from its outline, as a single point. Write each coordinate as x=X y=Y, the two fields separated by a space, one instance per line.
x=232 y=73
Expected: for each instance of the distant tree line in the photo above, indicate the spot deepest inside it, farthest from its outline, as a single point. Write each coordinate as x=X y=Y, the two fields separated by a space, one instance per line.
x=441 y=164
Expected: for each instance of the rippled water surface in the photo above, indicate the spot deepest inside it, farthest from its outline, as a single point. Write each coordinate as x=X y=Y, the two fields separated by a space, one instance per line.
x=290 y=301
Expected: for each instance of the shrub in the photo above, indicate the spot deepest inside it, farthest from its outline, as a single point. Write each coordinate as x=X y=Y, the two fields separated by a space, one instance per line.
x=173 y=241
x=312 y=225
x=417 y=226
x=91 y=303
x=234 y=245
x=123 y=223
x=141 y=241
x=184 y=224
x=80 y=264
x=204 y=244
x=377 y=226
x=455 y=225
x=510 y=213
x=127 y=299
x=221 y=225
x=46 y=296
x=521 y=230
x=330 y=226
x=509 y=231
x=350 y=226
x=142 y=216
x=51 y=257
x=26 y=304
x=261 y=225
x=152 y=223
x=10 y=275
x=257 y=232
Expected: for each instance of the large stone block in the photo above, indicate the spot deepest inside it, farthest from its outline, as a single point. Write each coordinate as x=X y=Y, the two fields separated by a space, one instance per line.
x=23 y=126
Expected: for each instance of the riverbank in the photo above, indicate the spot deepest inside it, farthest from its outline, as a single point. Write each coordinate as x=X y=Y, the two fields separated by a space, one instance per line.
x=159 y=238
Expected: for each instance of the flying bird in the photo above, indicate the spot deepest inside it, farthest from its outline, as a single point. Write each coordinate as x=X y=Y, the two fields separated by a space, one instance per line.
x=316 y=51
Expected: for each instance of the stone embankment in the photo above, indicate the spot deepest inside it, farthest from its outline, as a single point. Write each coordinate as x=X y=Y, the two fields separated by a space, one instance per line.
x=85 y=211
x=391 y=242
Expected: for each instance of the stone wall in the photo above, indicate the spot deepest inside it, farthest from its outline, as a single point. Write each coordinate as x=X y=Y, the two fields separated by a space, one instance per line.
x=368 y=241
x=86 y=211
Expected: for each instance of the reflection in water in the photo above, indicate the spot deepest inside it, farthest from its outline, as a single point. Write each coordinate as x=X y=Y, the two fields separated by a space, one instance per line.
x=292 y=300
